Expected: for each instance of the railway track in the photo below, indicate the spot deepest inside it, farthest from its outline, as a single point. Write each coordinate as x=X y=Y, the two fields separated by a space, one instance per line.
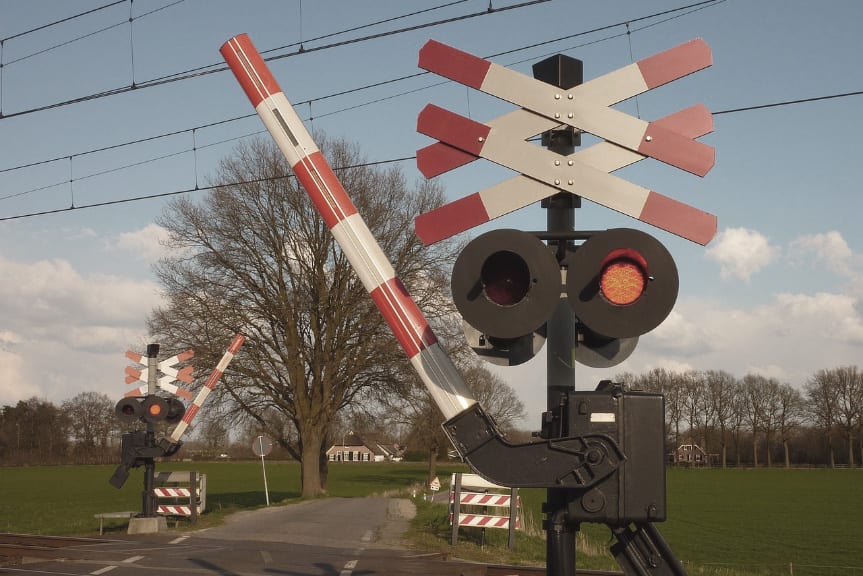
x=14 y=547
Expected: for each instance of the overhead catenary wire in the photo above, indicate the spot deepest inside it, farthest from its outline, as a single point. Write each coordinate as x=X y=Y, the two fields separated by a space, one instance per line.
x=61 y=20
x=676 y=14
x=186 y=190
x=212 y=69
x=349 y=91
x=123 y=22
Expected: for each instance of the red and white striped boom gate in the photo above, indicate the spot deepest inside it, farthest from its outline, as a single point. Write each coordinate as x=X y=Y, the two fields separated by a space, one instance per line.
x=433 y=365
x=587 y=172
x=489 y=505
x=208 y=386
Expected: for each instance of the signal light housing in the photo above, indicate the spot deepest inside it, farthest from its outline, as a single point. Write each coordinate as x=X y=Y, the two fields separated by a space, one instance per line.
x=129 y=410
x=506 y=283
x=150 y=408
x=621 y=283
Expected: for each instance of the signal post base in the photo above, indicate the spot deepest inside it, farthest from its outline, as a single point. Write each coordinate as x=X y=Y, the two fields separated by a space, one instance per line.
x=147 y=525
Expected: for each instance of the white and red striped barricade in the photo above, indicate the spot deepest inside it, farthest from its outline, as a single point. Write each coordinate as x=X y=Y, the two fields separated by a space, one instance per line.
x=478 y=503
x=181 y=494
x=432 y=364
x=587 y=172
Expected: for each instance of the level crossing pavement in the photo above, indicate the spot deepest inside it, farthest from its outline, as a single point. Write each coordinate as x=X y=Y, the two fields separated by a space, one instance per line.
x=327 y=537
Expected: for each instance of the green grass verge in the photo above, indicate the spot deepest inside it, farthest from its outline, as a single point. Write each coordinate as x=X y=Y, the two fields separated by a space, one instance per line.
x=722 y=522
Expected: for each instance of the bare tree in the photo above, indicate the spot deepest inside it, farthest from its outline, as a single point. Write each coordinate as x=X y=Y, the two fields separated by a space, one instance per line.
x=771 y=410
x=823 y=407
x=495 y=396
x=754 y=393
x=789 y=418
x=669 y=384
x=255 y=257
x=91 y=423
x=720 y=391
x=848 y=386
x=738 y=418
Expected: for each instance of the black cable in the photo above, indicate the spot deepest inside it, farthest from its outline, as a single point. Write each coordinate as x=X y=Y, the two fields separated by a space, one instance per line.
x=378 y=84
x=196 y=188
x=61 y=21
x=93 y=33
x=221 y=68
x=697 y=6
x=788 y=102
x=187 y=190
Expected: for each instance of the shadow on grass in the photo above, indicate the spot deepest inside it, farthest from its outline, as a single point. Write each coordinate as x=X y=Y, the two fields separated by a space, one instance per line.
x=248 y=500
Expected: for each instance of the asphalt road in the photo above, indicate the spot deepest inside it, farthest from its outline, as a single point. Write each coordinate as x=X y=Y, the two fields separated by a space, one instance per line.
x=327 y=537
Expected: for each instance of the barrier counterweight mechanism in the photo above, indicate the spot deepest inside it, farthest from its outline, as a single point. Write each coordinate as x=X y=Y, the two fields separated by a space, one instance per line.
x=600 y=453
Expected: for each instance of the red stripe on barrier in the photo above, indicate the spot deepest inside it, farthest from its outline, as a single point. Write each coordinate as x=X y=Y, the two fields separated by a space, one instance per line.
x=324 y=188
x=191 y=412
x=403 y=317
x=454 y=64
x=236 y=343
x=249 y=68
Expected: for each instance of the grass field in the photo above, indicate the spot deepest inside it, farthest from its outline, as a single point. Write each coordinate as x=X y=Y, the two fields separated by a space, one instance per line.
x=720 y=521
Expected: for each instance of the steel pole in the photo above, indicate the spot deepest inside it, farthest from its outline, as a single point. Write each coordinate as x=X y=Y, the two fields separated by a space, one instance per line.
x=563 y=72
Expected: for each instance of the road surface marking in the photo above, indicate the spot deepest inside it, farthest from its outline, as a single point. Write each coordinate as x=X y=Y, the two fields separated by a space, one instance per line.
x=349 y=568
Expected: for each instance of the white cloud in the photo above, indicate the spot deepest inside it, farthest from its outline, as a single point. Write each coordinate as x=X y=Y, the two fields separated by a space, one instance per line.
x=147 y=242
x=829 y=248
x=14 y=382
x=741 y=253
x=62 y=333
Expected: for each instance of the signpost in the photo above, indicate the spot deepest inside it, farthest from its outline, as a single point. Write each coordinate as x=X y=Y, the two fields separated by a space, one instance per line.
x=262 y=446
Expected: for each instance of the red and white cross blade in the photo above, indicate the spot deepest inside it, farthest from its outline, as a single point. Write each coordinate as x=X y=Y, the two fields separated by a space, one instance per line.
x=568 y=175
x=517 y=192
x=349 y=229
x=581 y=107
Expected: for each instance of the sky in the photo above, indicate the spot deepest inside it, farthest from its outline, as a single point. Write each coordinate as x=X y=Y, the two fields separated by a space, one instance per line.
x=777 y=292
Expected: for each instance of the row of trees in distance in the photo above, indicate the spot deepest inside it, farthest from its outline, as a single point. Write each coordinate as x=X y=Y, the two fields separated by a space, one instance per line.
x=758 y=420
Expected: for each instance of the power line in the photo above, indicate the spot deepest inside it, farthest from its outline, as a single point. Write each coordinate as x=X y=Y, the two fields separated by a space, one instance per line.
x=186 y=191
x=123 y=22
x=788 y=102
x=698 y=5
x=197 y=72
x=379 y=162
x=691 y=8
x=61 y=21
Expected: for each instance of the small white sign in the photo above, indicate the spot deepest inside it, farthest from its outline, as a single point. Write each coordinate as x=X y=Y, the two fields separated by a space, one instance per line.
x=435 y=484
x=602 y=417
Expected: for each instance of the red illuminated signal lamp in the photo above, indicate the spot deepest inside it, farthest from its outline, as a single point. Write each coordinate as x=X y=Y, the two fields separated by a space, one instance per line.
x=624 y=277
x=621 y=283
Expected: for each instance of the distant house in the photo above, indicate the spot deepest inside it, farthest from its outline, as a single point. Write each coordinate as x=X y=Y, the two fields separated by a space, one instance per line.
x=689 y=455
x=354 y=448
